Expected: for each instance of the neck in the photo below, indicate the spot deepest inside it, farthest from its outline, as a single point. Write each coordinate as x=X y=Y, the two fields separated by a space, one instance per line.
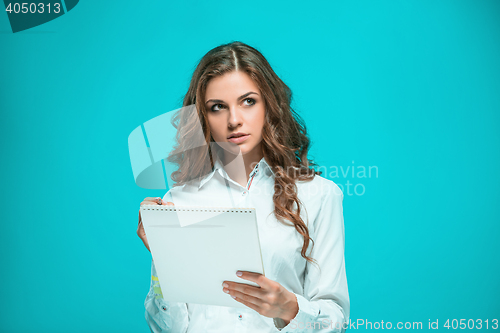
x=234 y=164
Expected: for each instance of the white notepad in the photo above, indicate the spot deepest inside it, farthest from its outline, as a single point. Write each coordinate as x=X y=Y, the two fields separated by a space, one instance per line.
x=193 y=259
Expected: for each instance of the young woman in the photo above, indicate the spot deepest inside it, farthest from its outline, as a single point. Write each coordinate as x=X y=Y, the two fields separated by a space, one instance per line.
x=245 y=114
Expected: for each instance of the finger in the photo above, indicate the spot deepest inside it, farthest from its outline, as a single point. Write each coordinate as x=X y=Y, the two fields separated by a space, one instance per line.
x=149 y=203
x=247 y=303
x=142 y=235
x=258 y=278
x=244 y=289
x=146 y=244
x=152 y=201
x=164 y=203
x=140 y=227
x=259 y=302
x=160 y=201
x=157 y=201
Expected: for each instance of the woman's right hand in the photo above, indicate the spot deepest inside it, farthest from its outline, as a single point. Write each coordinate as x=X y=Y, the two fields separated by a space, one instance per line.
x=140 y=228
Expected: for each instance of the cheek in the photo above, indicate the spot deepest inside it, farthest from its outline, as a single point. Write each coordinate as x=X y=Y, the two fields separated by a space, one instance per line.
x=261 y=120
x=214 y=128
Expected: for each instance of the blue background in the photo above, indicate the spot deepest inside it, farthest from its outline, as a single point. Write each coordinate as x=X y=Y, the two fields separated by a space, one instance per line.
x=411 y=87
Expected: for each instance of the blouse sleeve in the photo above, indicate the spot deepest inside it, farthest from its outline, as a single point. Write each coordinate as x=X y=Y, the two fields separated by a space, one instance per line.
x=324 y=307
x=163 y=316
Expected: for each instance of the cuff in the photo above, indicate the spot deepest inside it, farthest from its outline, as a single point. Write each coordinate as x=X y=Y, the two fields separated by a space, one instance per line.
x=163 y=306
x=308 y=312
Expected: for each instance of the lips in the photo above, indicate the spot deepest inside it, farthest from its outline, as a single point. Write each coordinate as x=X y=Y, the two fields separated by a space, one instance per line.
x=236 y=135
x=238 y=139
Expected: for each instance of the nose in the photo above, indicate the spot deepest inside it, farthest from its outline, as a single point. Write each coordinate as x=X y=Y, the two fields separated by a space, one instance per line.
x=235 y=118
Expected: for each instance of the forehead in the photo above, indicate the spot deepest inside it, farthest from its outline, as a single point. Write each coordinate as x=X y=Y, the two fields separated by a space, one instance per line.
x=230 y=85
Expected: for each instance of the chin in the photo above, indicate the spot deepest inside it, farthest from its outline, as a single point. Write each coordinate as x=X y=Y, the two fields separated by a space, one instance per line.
x=246 y=149
x=236 y=149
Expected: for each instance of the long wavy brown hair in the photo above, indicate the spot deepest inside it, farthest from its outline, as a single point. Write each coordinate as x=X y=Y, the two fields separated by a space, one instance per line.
x=284 y=139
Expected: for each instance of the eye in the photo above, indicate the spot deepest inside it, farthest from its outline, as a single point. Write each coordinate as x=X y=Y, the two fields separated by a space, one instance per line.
x=252 y=101
x=213 y=106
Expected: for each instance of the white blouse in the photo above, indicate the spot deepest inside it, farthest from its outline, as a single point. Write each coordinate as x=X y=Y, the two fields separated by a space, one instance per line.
x=322 y=296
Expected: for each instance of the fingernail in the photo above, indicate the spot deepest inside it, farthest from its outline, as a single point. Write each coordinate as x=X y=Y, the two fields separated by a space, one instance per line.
x=225 y=285
x=233 y=296
x=239 y=273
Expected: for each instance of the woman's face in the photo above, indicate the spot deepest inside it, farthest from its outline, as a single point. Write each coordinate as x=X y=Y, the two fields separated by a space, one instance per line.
x=234 y=105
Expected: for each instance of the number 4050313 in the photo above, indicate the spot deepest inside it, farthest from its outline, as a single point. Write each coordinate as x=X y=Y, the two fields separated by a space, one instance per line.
x=33 y=8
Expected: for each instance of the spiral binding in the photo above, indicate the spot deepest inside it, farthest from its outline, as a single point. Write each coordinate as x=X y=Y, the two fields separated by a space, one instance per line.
x=195 y=209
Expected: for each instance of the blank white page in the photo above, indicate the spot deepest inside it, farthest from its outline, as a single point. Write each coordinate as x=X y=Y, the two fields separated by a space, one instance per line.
x=193 y=259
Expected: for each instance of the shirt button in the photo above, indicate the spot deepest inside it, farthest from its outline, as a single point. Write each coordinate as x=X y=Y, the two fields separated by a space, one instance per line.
x=244 y=193
x=240 y=317
x=164 y=308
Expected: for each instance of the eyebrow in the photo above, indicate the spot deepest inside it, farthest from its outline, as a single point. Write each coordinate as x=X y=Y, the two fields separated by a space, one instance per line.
x=239 y=98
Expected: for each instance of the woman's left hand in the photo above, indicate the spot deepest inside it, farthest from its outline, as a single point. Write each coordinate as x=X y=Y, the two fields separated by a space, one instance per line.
x=271 y=299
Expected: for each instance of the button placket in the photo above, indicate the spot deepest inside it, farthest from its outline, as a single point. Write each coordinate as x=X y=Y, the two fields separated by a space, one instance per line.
x=252 y=176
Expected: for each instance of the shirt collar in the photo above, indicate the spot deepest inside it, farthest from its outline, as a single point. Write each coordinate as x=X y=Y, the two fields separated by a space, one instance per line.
x=218 y=168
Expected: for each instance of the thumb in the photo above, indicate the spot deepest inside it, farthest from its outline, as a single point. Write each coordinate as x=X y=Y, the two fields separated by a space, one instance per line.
x=165 y=203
